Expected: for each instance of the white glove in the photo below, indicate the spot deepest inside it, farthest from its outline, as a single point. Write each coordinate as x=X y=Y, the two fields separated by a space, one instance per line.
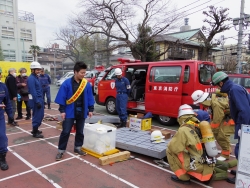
x=239 y=132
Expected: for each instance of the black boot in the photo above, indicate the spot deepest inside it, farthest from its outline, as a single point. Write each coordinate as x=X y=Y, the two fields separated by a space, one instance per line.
x=123 y=124
x=36 y=133
x=3 y=163
x=49 y=106
x=176 y=179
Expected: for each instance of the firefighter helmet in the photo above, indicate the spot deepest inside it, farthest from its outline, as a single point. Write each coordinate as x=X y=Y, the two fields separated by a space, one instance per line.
x=157 y=137
x=199 y=96
x=185 y=110
x=118 y=72
x=35 y=65
x=218 y=77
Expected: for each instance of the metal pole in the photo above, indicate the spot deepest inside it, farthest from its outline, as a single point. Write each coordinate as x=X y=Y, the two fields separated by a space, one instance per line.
x=240 y=34
x=54 y=66
x=95 y=52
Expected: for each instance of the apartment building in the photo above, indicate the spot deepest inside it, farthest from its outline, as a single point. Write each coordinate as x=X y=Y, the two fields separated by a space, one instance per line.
x=17 y=31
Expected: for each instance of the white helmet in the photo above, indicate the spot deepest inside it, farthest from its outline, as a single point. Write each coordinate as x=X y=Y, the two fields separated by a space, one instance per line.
x=185 y=110
x=157 y=137
x=199 y=96
x=118 y=71
x=35 y=65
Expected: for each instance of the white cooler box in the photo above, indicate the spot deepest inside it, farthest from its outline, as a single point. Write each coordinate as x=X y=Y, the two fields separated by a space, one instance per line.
x=99 y=138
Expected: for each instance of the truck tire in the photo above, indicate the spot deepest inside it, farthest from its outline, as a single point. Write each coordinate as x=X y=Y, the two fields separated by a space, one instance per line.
x=110 y=106
x=165 y=120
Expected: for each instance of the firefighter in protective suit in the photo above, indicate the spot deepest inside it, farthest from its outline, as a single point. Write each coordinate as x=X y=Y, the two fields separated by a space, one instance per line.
x=185 y=151
x=222 y=124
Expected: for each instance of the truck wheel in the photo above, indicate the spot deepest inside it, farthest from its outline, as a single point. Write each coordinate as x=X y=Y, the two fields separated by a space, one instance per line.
x=110 y=106
x=165 y=120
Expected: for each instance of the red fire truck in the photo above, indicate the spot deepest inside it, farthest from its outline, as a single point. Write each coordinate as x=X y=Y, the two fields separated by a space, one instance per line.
x=93 y=74
x=157 y=87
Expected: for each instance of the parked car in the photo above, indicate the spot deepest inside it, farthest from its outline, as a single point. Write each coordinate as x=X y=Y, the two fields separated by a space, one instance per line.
x=93 y=74
x=64 y=77
x=241 y=79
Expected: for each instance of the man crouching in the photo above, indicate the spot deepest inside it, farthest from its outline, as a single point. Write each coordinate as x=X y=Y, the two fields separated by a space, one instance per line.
x=185 y=151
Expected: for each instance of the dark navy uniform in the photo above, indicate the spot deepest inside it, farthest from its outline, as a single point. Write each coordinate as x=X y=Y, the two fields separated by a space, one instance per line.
x=45 y=82
x=4 y=99
x=36 y=102
x=123 y=89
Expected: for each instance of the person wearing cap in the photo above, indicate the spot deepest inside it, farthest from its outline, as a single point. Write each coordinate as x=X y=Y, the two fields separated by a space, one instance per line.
x=221 y=124
x=22 y=90
x=5 y=105
x=123 y=87
x=185 y=150
x=10 y=82
x=36 y=102
x=239 y=102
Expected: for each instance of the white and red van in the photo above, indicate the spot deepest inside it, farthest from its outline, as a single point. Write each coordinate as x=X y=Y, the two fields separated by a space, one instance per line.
x=157 y=87
x=93 y=74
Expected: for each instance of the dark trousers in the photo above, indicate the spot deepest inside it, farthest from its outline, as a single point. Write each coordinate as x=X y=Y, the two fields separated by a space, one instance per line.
x=46 y=91
x=121 y=106
x=64 y=137
x=19 y=109
x=3 y=137
x=236 y=149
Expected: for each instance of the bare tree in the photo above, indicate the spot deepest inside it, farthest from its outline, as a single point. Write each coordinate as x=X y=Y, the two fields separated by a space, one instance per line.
x=230 y=64
x=118 y=20
x=217 y=19
x=70 y=36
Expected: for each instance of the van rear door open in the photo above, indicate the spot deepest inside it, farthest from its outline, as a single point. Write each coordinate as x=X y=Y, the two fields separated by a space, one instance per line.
x=164 y=89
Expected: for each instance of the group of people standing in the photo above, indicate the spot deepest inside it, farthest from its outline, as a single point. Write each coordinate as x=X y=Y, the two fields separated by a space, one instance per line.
x=18 y=89
x=75 y=99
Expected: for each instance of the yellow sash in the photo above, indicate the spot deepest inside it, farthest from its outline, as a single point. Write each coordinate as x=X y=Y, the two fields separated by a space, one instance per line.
x=78 y=92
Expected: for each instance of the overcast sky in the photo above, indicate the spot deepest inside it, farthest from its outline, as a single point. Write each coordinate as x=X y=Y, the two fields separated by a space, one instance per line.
x=50 y=15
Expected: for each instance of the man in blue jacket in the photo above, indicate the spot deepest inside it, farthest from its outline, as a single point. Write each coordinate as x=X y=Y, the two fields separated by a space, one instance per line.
x=239 y=103
x=5 y=102
x=76 y=102
x=36 y=102
x=45 y=82
x=123 y=87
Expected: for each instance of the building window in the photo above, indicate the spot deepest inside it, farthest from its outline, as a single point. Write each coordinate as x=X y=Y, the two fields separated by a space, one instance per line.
x=6 y=6
x=9 y=55
x=7 y=32
x=26 y=35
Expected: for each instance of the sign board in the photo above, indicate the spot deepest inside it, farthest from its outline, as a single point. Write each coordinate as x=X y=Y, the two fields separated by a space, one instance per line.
x=243 y=171
x=135 y=123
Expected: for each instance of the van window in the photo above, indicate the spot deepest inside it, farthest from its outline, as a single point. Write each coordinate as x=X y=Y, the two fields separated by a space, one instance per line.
x=247 y=83
x=235 y=80
x=110 y=75
x=186 y=74
x=169 y=74
x=205 y=73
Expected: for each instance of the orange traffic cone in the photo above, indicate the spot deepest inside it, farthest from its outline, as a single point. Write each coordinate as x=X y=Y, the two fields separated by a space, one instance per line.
x=73 y=130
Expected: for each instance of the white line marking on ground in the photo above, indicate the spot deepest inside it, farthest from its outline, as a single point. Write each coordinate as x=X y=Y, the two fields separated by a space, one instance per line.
x=32 y=141
x=19 y=174
x=57 y=162
x=34 y=168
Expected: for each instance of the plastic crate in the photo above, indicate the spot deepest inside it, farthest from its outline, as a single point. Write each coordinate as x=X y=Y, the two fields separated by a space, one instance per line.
x=140 y=124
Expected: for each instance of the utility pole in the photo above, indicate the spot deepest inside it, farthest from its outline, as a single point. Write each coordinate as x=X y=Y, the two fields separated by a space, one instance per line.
x=96 y=55
x=240 y=35
x=222 y=57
